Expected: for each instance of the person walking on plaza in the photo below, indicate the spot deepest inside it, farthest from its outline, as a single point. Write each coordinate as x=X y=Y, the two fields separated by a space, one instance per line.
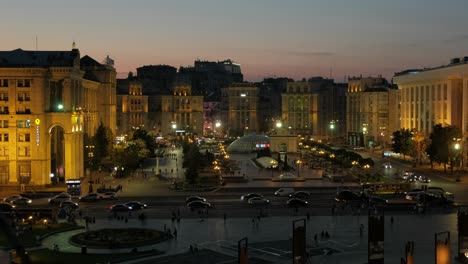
x=175 y=233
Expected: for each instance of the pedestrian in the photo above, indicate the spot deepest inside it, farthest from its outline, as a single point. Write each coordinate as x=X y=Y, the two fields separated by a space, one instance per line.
x=253 y=221
x=391 y=220
x=224 y=216
x=175 y=232
x=165 y=227
x=327 y=236
x=315 y=239
x=178 y=219
x=322 y=234
x=191 y=248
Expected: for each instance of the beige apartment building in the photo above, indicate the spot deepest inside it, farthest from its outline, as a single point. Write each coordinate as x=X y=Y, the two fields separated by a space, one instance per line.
x=435 y=96
x=132 y=106
x=47 y=102
x=239 y=109
x=299 y=112
x=371 y=119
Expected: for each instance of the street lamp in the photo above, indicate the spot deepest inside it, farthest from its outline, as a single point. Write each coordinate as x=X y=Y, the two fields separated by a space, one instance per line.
x=332 y=128
x=298 y=162
x=364 y=133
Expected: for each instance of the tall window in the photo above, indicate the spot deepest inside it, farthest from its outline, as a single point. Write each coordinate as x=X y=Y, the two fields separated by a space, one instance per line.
x=56 y=96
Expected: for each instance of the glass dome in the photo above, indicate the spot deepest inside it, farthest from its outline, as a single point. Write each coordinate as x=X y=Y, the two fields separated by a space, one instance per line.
x=249 y=143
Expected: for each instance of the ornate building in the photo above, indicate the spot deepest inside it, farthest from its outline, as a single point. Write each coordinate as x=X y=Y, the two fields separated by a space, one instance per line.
x=132 y=106
x=299 y=109
x=47 y=103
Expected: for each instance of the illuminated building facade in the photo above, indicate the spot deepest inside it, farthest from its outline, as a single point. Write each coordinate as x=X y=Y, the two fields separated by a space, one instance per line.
x=299 y=108
x=435 y=96
x=368 y=111
x=132 y=106
x=48 y=101
x=239 y=109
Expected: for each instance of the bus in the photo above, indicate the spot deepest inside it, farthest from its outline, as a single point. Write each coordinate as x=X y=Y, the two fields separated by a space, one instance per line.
x=385 y=188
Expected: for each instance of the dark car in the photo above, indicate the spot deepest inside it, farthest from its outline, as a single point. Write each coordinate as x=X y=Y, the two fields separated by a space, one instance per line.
x=296 y=202
x=198 y=205
x=377 y=201
x=194 y=198
x=22 y=201
x=258 y=201
x=69 y=204
x=348 y=196
x=120 y=208
x=431 y=199
x=246 y=197
x=136 y=205
x=6 y=207
x=300 y=195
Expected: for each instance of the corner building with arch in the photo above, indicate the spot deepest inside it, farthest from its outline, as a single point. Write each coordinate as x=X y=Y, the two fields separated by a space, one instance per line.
x=48 y=101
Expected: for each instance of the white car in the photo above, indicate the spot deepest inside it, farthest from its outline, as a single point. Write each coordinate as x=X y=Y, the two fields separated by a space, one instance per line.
x=107 y=196
x=57 y=199
x=387 y=165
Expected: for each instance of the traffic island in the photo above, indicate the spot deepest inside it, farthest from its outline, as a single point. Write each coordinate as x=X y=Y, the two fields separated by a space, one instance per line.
x=119 y=238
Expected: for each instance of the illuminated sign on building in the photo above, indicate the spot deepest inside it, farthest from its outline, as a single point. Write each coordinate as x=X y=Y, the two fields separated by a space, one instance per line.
x=38 y=134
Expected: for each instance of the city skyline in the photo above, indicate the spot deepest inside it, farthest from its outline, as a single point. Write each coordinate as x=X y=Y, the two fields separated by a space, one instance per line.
x=268 y=38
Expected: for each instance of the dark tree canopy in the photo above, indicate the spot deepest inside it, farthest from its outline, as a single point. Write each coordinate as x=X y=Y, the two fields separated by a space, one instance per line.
x=402 y=142
x=102 y=142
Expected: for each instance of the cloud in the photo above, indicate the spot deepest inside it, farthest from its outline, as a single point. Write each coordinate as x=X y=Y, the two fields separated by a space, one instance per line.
x=458 y=38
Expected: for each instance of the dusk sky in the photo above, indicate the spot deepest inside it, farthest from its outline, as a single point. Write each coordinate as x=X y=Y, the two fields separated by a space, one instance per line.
x=296 y=38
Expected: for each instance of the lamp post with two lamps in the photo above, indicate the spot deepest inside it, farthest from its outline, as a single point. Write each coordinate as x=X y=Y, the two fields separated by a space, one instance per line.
x=298 y=163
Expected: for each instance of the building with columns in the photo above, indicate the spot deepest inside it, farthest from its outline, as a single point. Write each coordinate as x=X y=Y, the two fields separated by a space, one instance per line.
x=47 y=104
x=132 y=106
x=435 y=96
x=299 y=109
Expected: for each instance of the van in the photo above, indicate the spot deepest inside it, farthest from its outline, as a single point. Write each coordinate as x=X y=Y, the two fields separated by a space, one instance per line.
x=284 y=191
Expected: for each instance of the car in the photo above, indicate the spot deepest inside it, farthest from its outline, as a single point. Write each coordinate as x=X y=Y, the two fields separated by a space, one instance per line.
x=411 y=194
x=22 y=201
x=90 y=197
x=135 y=205
x=348 y=196
x=377 y=201
x=284 y=191
x=10 y=199
x=6 y=207
x=424 y=179
x=198 y=205
x=248 y=196
x=387 y=165
x=430 y=198
x=407 y=174
x=57 y=199
x=412 y=178
x=194 y=198
x=300 y=195
x=296 y=202
x=258 y=201
x=107 y=196
x=438 y=190
x=120 y=208
x=69 y=204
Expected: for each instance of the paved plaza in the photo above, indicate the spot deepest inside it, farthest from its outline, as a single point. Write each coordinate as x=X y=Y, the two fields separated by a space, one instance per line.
x=269 y=238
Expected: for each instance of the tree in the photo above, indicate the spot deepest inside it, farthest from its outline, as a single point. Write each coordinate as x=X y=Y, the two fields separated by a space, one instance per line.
x=102 y=142
x=192 y=161
x=420 y=144
x=441 y=149
x=150 y=143
x=402 y=142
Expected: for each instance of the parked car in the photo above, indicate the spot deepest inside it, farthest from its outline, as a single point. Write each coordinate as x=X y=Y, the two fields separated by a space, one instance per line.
x=431 y=199
x=296 y=202
x=194 y=198
x=90 y=197
x=300 y=195
x=6 y=207
x=10 y=199
x=198 y=205
x=258 y=201
x=107 y=196
x=135 y=205
x=247 y=197
x=22 y=201
x=284 y=191
x=57 y=199
x=348 y=196
x=120 y=208
x=69 y=204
